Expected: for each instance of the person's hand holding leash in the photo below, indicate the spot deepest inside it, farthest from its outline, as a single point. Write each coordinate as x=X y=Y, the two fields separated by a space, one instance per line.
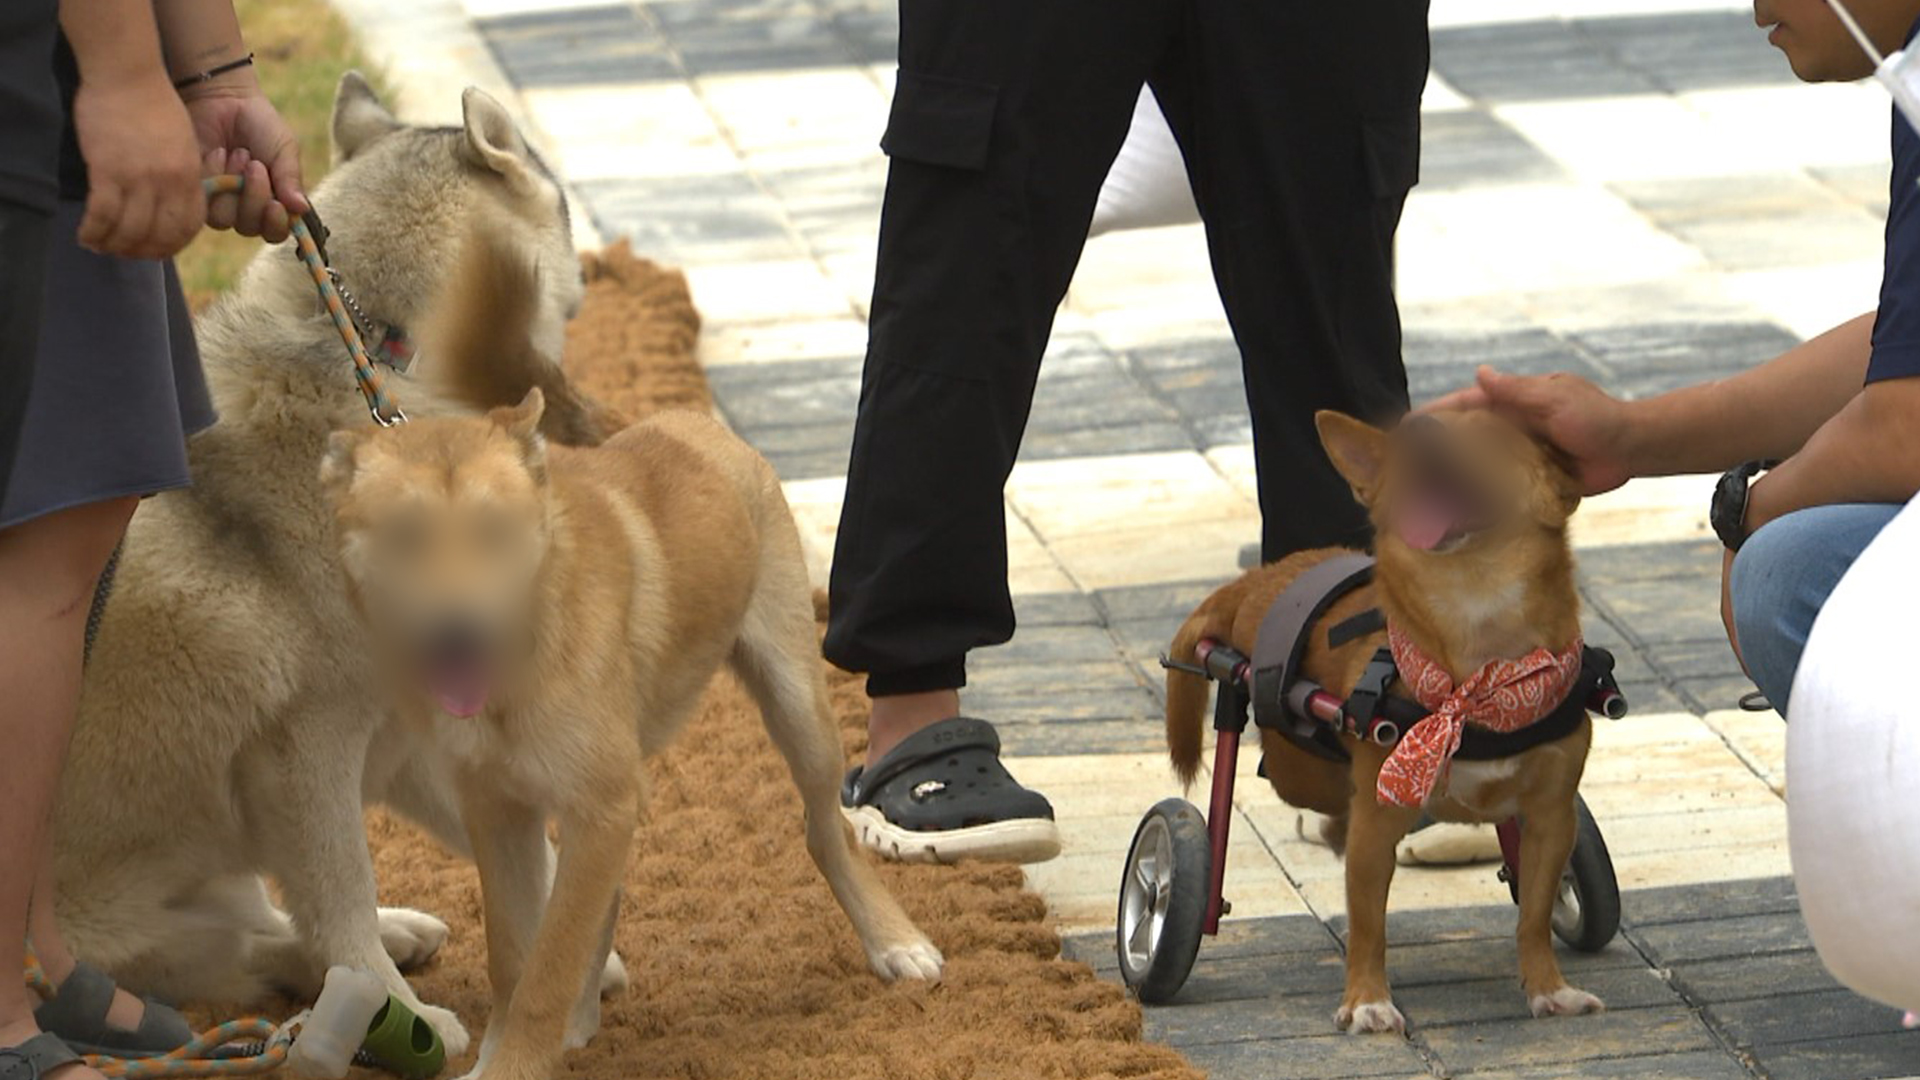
x=1583 y=421
x=241 y=133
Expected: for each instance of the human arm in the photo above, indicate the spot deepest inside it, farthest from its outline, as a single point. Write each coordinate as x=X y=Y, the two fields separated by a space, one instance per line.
x=143 y=194
x=1770 y=411
x=1868 y=451
x=238 y=129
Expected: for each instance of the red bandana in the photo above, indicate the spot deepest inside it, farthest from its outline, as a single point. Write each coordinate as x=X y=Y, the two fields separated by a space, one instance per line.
x=1505 y=695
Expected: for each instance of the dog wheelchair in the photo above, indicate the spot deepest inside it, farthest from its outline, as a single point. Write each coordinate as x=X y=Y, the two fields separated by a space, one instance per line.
x=1170 y=894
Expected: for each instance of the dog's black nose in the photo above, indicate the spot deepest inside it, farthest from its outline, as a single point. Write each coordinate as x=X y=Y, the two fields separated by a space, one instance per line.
x=456 y=639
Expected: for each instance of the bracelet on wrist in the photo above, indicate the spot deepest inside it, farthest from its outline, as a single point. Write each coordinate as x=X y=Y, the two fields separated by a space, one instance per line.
x=213 y=72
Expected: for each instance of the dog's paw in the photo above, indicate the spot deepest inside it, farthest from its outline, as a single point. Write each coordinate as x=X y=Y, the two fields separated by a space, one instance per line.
x=584 y=1024
x=410 y=937
x=448 y=1026
x=613 y=977
x=1566 y=1001
x=909 y=960
x=1370 y=1016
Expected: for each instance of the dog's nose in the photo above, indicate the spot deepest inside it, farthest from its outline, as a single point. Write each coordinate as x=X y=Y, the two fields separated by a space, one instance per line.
x=456 y=638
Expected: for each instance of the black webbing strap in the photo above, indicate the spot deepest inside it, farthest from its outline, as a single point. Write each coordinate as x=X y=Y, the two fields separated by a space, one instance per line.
x=1282 y=639
x=1370 y=621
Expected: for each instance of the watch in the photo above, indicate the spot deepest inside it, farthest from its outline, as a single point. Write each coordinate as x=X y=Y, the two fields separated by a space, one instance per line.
x=1728 y=512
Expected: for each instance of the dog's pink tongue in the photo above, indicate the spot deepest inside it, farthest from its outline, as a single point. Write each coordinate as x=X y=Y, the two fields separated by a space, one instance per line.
x=461 y=689
x=1424 y=522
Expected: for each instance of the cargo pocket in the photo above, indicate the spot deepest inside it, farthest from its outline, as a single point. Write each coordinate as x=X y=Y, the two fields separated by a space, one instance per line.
x=1392 y=149
x=937 y=121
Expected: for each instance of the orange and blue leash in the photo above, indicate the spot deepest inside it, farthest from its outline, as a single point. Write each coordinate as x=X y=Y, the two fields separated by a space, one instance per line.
x=385 y=412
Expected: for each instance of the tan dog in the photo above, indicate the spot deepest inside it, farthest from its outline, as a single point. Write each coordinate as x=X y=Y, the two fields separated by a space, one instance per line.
x=551 y=615
x=1473 y=566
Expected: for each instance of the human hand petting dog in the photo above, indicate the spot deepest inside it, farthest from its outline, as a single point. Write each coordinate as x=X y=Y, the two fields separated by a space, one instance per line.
x=1584 y=422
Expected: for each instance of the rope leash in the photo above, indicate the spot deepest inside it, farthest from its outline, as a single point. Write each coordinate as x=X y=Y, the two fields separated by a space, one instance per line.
x=372 y=387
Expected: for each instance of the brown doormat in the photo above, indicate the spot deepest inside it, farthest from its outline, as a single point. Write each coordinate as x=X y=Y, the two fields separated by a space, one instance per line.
x=742 y=965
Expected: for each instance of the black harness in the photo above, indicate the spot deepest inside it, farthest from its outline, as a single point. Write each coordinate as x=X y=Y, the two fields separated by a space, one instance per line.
x=1372 y=711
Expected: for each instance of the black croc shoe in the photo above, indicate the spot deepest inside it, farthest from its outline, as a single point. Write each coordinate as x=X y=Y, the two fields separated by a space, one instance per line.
x=942 y=795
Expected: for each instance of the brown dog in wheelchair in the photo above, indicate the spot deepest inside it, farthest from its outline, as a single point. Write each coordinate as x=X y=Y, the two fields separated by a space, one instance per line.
x=1473 y=569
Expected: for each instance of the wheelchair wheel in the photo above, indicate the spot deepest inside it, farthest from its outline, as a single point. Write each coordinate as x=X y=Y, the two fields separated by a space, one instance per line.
x=1586 y=914
x=1163 y=900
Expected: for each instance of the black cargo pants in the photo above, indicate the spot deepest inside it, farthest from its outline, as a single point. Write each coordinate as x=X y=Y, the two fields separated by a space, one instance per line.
x=1300 y=126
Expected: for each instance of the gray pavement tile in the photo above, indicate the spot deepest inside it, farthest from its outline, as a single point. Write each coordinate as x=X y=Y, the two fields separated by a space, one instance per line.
x=810 y=465
x=1648 y=359
x=1446 y=962
x=1694 y=1065
x=1058 y=646
x=1311 y=981
x=1714 y=692
x=1257 y=1018
x=1533 y=60
x=796 y=392
x=1471 y=147
x=1798 y=1018
x=1700 y=660
x=1222 y=429
x=1664 y=611
x=1525 y=1042
x=716 y=37
x=1054 y=734
x=1692 y=200
x=1716 y=900
x=1695 y=50
x=590 y=45
x=1318 y=1057
x=1599 y=568
x=1096 y=399
x=1750 y=977
x=1064 y=704
x=1867 y=1057
x=1124 y=438
x=1782 y=239
x=1054 y=609
x=1532 y=349
x=1268 y=936
x=697 y=220
x=1494 y=1000
x=1147 y=639
x=1172 y=599
x=1473 y=923
x=1721 y=938
x=805 y=451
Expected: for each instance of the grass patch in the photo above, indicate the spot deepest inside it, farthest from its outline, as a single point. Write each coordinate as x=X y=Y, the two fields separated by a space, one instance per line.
x=302 y=47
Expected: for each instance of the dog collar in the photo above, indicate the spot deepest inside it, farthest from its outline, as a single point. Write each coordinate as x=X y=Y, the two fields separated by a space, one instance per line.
x=1503 y=696
x=395 y=349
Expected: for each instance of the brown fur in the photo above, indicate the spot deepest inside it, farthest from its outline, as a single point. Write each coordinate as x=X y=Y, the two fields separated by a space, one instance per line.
x=609 y=585
x=1505 y=591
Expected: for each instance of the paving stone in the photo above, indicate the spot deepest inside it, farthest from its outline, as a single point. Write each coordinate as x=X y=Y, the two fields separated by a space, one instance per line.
x=693 y=220
x=1134 y=438
x=1054 y=609
x=1750 y=977
x=1447 y=962
x=798 y=392
x=1061 y=732
x=1720 y=900
x=1057 y=645
x=1735 y=936
x=1676 y=201
x=1260 y=1018
x=1319 y=1057
x=1869 y=1057
x=1266 y=937
x=1174 y=599
x=1561 y=1041
x=1646 y=360
x=1530 y=61
x=1601 y=568
x=1661 y=612
x=1714 y=692
x=1699 y=660
x=1315 y=975
x=582 y=46
x=1653 y=698
x=1494 y=1000
x=1695 y=50
x=1465 y=147
x=1865 y=185
x=1695 y=1065
x=1798 y=1018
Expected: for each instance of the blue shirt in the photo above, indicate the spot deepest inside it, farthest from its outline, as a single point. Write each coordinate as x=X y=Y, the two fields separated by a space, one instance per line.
x=1896 y=329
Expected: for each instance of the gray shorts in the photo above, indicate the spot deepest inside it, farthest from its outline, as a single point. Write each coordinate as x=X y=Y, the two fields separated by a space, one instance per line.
x=117 y=385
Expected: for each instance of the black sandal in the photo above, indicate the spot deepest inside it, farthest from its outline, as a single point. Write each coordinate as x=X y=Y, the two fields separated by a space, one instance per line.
x=35 y=1058
x=77 y=1013
x=943 y=795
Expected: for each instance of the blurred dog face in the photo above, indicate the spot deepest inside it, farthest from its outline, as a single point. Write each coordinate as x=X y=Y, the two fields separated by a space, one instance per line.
x=1440 y=484
x=443 y=528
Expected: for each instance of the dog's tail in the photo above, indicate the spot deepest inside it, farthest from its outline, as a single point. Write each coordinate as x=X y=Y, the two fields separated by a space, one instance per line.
x=481 y=337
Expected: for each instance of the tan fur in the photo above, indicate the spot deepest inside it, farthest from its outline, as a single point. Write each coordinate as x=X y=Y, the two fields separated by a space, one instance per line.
x=641 y=567
x=229 y=727
x=1504 y=592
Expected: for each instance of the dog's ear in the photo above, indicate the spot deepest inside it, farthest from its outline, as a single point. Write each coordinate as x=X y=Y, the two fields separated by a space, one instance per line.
x=1358 y=450
x=493 y=142
x=337 y=464
x=522 y=422
x=358 y=117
